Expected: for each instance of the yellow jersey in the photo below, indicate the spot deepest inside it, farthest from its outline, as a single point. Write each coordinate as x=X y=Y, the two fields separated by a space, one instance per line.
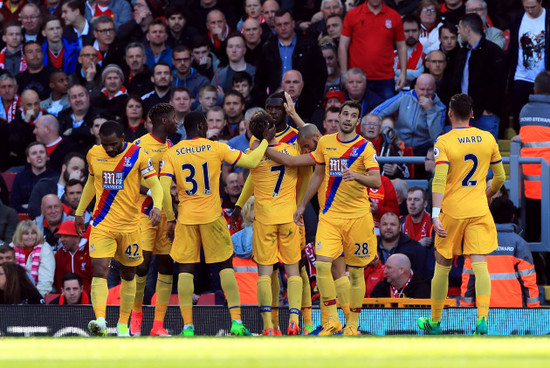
x=117 y=181
x=289 y=135
x=469 y=152
x=340 y=198
x=155 y=148
x=196 y=165
x=275 y=188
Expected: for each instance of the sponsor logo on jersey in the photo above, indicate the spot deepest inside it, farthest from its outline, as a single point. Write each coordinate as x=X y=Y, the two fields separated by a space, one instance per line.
x=336 y=165
x=436 y=152
x=113 y=180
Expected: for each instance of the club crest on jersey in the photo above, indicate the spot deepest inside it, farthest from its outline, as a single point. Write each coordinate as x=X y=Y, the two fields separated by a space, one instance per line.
x=388 y=23
x=354 y=152
x=336 y=165
x=113 y=180
x=127 y=162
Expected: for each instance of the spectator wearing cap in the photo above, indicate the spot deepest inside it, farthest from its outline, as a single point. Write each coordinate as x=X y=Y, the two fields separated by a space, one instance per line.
x=355 y=83
x=72 y=291
x=73 y=257
x=333 y=98
x=113 y=96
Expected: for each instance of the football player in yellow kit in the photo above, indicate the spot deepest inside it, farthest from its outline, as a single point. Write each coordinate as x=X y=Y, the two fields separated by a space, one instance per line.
x=195 y=163
x=155 y=242
x=461 y=216
x=116 y=170
x=345 y=165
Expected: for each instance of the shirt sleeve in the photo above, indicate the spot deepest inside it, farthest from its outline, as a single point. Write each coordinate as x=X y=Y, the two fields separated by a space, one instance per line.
x=89 y=159
x=369 y=158
x=228 y=154
x=347 y=26
x=146 y=167
x=318 y=155
x=166 y=166
x=398 y=33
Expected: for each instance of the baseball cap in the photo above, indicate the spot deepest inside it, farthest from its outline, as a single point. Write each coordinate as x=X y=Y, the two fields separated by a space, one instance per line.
x=67 y=228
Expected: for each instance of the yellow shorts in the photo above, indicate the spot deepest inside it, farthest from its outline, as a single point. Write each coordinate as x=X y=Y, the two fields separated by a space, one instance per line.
x=273 y=242
x=476 y=235
x=214 y=237
x=154 y=238
x=354 y=237
x=124 y=247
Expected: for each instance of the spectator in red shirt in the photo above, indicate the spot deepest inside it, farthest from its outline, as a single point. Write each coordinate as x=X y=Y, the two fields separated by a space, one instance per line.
x=74 y=257
x=418 y=223
x=371 y=32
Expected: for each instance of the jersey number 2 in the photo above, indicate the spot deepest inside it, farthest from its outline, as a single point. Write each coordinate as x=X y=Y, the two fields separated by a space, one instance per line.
x=191 y=178
x=281 y=169
x=466 y=182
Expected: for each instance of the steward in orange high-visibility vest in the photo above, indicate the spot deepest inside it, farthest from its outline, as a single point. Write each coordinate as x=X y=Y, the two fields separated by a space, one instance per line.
x=513 y=277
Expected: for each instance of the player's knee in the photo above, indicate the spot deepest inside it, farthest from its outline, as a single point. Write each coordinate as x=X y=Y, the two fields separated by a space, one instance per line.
x=127 y=273
x=292 y=270
x=142 y=269
x=186 y=268
x=228 y=263
x=165 y=264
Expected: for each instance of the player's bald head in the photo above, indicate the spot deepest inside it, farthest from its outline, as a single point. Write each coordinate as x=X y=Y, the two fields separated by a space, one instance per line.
x=400 y=260
x=308 y=131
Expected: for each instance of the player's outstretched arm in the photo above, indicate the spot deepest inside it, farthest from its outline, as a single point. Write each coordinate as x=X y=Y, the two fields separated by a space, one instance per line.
x=252 y=159
x=312 y=188
x=291 y=111
x=153 y=184
x=88 y=193
x=288 y=160
x=371 y=180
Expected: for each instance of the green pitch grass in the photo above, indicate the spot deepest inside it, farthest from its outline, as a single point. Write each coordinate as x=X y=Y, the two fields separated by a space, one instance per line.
x=281 y=352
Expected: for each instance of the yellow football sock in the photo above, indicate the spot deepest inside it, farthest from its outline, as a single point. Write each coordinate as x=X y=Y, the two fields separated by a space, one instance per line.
x=275 y=292
x=306 y=297
x=440 y=288
x=140 y=290
x=127 y=295
x=327 y=288
x=357 y=293
x=343 y=292
x=264 y=300
x=483 y=288
x=324 y=313
x=185 y=296
x=231 y=290
x=164 y=291
x=294 y=298
x=99 y=293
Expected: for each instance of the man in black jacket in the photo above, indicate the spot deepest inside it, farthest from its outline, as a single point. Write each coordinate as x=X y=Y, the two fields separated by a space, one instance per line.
x=480 y=73
x=392 y=241
x=290 y=50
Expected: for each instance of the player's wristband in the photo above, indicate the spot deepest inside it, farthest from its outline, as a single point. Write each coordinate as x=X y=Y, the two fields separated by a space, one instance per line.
x=435 y=212
x=149 y=193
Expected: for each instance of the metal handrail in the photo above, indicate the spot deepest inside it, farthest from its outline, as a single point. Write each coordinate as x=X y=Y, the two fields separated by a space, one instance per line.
x=514 y=185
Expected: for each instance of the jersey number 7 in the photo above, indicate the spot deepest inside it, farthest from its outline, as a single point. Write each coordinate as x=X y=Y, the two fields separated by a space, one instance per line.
x=281 y=169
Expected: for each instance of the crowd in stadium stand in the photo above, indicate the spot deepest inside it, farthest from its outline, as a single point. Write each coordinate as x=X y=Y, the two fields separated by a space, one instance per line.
x=67 y=66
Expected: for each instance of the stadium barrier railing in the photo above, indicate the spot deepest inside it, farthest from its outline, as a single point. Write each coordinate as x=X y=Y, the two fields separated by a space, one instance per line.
x=515 y=186
x=403 y=303
x=72 y=320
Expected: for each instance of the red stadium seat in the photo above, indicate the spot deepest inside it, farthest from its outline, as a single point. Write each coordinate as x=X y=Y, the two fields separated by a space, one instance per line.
x=23 y=216
x=207 y=299
x=9 y=178
x=49 y=297
x=173 y=299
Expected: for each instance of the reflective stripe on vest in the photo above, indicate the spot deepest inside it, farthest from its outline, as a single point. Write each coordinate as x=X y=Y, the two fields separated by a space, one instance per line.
x=531 y=177
x=535 y=144
x=505 y=276
x=245 y=269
